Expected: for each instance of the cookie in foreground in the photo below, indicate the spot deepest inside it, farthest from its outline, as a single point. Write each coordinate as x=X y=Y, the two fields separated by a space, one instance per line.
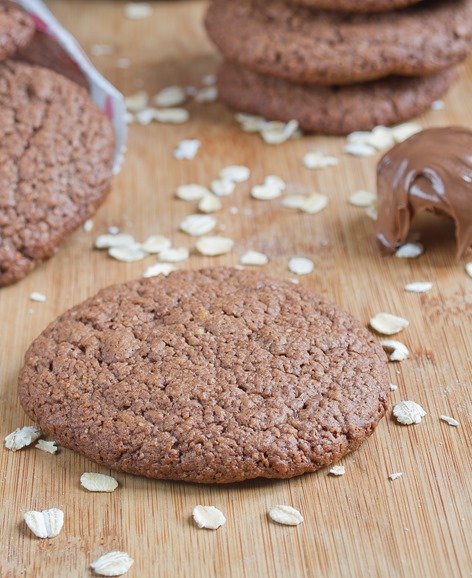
x=210 y=376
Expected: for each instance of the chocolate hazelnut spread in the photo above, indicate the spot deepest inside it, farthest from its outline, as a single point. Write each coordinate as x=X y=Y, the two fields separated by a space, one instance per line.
x=432 y=170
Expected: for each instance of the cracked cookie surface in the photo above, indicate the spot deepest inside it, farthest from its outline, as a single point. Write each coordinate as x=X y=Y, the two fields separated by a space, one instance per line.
x=56 y=155
x=208 y=376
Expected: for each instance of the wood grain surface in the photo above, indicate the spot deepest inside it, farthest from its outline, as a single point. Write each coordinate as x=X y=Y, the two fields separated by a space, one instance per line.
x=359 y=525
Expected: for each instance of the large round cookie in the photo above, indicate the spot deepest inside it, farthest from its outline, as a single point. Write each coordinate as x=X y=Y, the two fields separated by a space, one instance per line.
x=325 y=47
x=356 y=5
x=16 y=28
x=217 y=375
x=56 y=154
x=331 y=110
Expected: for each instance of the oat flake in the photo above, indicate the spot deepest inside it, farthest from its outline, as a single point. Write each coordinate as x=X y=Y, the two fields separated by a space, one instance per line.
x=419 y=287
x=359 y=149
x=191 y=192
x=196 y=225
x=222 y=187
x=404 y=131
x=301 y=265
x=371 y=212
x=187 y=149
x=254 y=258
x=265 y=192
x=45 y=446
x=209 y=204
x=171 y=96
x=155 y=244
x=388 y=324
x=45 y=524
x=88 y=225
x=293 y=201
x=22 y=437
x=137 y=10
x=113 y=240
x=98 y=482
x=137 y=101
x=128 y=253
x=235 y=173
x=337 y=471
x=395 y=475
x=286 y=515
x=318 y=160
x=409 y=251
x=449 y=420
x=174 y=254
x=362 y=198
x=214 y=246
x=314 y=203
x=393 y=387
x=399 y=351
x=112 y=564
x=249 y=122
x=207 y=94
x=208 y=517
x=39 y=297
x=159 y=269
x=275 y=132
x=408 y=412
x=468 y=269
x=171 y=115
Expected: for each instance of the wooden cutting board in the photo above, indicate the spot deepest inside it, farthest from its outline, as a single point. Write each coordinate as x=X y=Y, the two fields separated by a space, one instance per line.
x=359 y=525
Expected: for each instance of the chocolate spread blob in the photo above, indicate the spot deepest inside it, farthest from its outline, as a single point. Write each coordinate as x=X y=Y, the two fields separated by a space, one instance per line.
x=432 y=170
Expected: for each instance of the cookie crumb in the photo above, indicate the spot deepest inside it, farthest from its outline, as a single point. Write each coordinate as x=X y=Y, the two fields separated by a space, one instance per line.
x=45 y=524
x=388 y=324
x=112 y=564
x=98 y=482
x=22 y=437
x=449 y=420
x=286 y=515
x=408 y=412
x=208 y=517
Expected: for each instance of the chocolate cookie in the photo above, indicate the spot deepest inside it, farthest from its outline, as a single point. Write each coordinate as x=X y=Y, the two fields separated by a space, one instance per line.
x=217 y=376
x=331 y=110
x=324 y=47
x=16 y=28
x=56 y=155
x=356 y=5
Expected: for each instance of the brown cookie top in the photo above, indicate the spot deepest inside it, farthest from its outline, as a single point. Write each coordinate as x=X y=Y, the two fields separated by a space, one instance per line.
x=356 y=5
x=56 y=155
x=16 y=28
x=331 y=110
x=218 y=375
x=325 y=47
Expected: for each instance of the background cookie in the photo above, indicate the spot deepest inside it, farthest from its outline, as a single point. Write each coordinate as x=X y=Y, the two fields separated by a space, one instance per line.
x=56 y=154
x=356 y=5
x=216 y=375
x=325 y=47
x=16 y=28
x=337 y=110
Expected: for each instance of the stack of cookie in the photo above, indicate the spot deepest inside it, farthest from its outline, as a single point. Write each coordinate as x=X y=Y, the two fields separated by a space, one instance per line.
x=56 y=152
x=357 y=65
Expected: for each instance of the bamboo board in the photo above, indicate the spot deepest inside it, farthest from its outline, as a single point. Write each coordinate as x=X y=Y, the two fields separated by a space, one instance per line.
x=358 y=525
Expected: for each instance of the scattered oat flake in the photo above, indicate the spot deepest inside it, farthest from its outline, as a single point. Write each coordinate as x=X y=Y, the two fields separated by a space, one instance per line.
x=399 y=351
x=235 y=173
x=286 y=515
x=318 y=160
x=145 y=116
x=171 y=115
x=419 y=287
x=45 y=524
x=301 y=265
x=137 y=101
x=409 y=251
x=404 y=131
x=388 y=324
x=208 y=517
x=371 y=212
x=191 y=192
x=449 y=420
x=187 y=149
x=314 y=203
x=137 y=10
x=171 y=96
x=337 y=471
x=362 y=198
x=395 y=475
x=207 y=94
x=254 y=258
x=468 y=269
x=113 y=230
x=393 y=387
x=250 y=123
x=128 y=253
x=22 y=437
x=196 y=225
x=155 y=244
x=39 y=297
x=88 y=225
x=293 y=201
x=122 y=63
x=112 y=564
x=265 y=192
x=45 y=446
x=214 y=246
x=222 y=187
x=174 y=254
x=359 y=149
x=408 y=412
x=209 y=204
x=98 y=482
x=114 y=240
x=275 y=181
x=129 y=117
x=274 y=132
x=159 y=269
x=102 y=49
x=209 y=79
